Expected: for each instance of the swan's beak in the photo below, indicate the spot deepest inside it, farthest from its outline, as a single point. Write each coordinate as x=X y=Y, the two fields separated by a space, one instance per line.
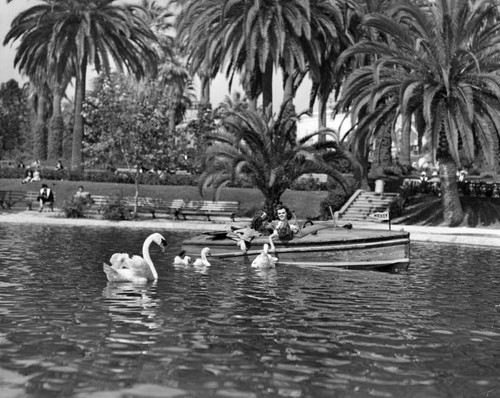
x=162 y=245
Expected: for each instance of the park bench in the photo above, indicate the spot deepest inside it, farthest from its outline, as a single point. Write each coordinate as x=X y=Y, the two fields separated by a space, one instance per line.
x=11 y=199
x=154 y=206
x=20 y=199
x=170 y=207
x=208 y=208
x=96 y=204
x=31 y=196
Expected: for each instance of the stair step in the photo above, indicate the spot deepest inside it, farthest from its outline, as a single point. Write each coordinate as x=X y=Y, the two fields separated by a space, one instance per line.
x=364 y=204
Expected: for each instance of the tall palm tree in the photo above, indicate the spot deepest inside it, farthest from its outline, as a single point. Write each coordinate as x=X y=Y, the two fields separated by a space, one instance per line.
x=262 y=150
x=101 y=33
x=442 y=62
x=354 y=13
x=250 y=37
x=43 y=71
x=329 y=22
x=173 y=74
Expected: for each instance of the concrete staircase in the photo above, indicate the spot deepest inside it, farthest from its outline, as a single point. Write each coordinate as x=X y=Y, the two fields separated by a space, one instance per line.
x=363 y=203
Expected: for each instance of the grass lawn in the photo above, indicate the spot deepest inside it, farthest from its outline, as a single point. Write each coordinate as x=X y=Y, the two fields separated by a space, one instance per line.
x=305 y=203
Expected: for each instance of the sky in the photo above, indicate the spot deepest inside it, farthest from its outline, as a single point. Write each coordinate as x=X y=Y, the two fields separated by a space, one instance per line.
x=219 y=88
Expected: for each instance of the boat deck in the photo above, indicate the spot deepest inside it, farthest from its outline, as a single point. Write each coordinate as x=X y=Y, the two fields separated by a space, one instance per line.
x=318 y=246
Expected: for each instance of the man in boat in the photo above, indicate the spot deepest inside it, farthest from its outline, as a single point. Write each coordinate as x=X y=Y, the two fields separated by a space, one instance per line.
x=244 y=235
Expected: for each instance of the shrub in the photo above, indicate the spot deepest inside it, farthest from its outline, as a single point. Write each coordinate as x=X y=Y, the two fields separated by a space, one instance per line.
x=116 y=210
x=336 y=198
x=12 y=172
x=397 y=206
x=74 y=208
x=310 y=184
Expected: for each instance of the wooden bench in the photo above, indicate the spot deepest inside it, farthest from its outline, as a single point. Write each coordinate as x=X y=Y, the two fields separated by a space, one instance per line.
x=23 y=199
x=210 y=208
x=31 y=196
x=154 y=206
x=169 y=207
x=10 y=199
x=95 y=204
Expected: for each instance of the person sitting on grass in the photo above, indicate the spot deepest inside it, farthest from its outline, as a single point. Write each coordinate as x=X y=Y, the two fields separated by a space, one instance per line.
x=281 y=227
x=46 y=196
x=28 y=176
x=36 y=176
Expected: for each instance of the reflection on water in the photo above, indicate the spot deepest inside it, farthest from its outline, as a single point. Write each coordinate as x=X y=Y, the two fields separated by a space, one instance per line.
x=233 y=331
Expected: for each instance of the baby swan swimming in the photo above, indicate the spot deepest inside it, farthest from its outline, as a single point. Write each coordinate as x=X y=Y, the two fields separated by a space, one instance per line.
x=203 y=262
x=264 y=259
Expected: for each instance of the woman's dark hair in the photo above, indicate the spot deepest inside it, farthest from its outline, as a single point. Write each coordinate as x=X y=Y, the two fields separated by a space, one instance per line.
x=257 y=221
x=288 y=212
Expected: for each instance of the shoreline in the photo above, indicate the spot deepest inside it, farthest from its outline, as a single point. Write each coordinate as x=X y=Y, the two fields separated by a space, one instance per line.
x=481 y=237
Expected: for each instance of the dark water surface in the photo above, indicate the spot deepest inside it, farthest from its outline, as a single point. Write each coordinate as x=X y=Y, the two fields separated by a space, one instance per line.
x=233 y=331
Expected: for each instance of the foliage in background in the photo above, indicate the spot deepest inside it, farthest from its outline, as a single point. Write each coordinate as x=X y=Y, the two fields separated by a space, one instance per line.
x=117 y=211
x=194 y=139
x=75 y=208
x=336 y=198
x=439 y=64
x=14 y=121
x=264 y=150
x=127 y=127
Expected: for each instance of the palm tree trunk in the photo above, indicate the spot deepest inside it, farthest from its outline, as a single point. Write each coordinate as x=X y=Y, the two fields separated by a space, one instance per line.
x=404 y=151
x=267 y=88
x=40 y=131
x=205 y=90
x=56 y=126
x=383 y=149
x=171 y=121
x=452 y=208
x=322 y=105
x=76 y=155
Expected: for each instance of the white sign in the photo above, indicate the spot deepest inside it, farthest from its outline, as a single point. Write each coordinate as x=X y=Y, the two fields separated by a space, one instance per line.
x=380 y=216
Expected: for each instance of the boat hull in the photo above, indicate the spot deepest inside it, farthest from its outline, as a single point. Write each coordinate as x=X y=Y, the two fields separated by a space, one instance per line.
x=321 y=247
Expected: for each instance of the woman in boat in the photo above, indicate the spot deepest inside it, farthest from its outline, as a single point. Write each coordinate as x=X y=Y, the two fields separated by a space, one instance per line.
x=281 y=227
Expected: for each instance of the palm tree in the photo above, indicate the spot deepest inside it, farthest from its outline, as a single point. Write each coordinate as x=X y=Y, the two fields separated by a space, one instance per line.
x=32 y=60
x=262 y=150
x=173 y=74
x=250 y=37
x=356 y=32
x=329 y=21
x=444 y=63
x=97 y=32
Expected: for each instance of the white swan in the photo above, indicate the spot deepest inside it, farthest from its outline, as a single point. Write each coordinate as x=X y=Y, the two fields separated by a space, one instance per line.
x=136 y=268
x=182 y=259
x=264 y=259
x=203 y=262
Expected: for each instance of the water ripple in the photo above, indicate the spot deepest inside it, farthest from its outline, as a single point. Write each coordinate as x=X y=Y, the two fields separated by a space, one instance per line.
x=231 y=330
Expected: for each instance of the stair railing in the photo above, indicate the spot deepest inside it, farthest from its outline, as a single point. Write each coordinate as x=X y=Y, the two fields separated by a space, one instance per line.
x=338 y=214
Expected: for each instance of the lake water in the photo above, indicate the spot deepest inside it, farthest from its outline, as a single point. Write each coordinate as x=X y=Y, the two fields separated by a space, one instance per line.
x=235 y=332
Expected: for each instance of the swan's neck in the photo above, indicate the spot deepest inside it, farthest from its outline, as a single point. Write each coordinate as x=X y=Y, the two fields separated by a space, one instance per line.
x=204 y=258
x=147 y=257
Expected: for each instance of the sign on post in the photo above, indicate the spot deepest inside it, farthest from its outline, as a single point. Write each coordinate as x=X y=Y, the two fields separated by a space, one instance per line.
x=382 y=216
